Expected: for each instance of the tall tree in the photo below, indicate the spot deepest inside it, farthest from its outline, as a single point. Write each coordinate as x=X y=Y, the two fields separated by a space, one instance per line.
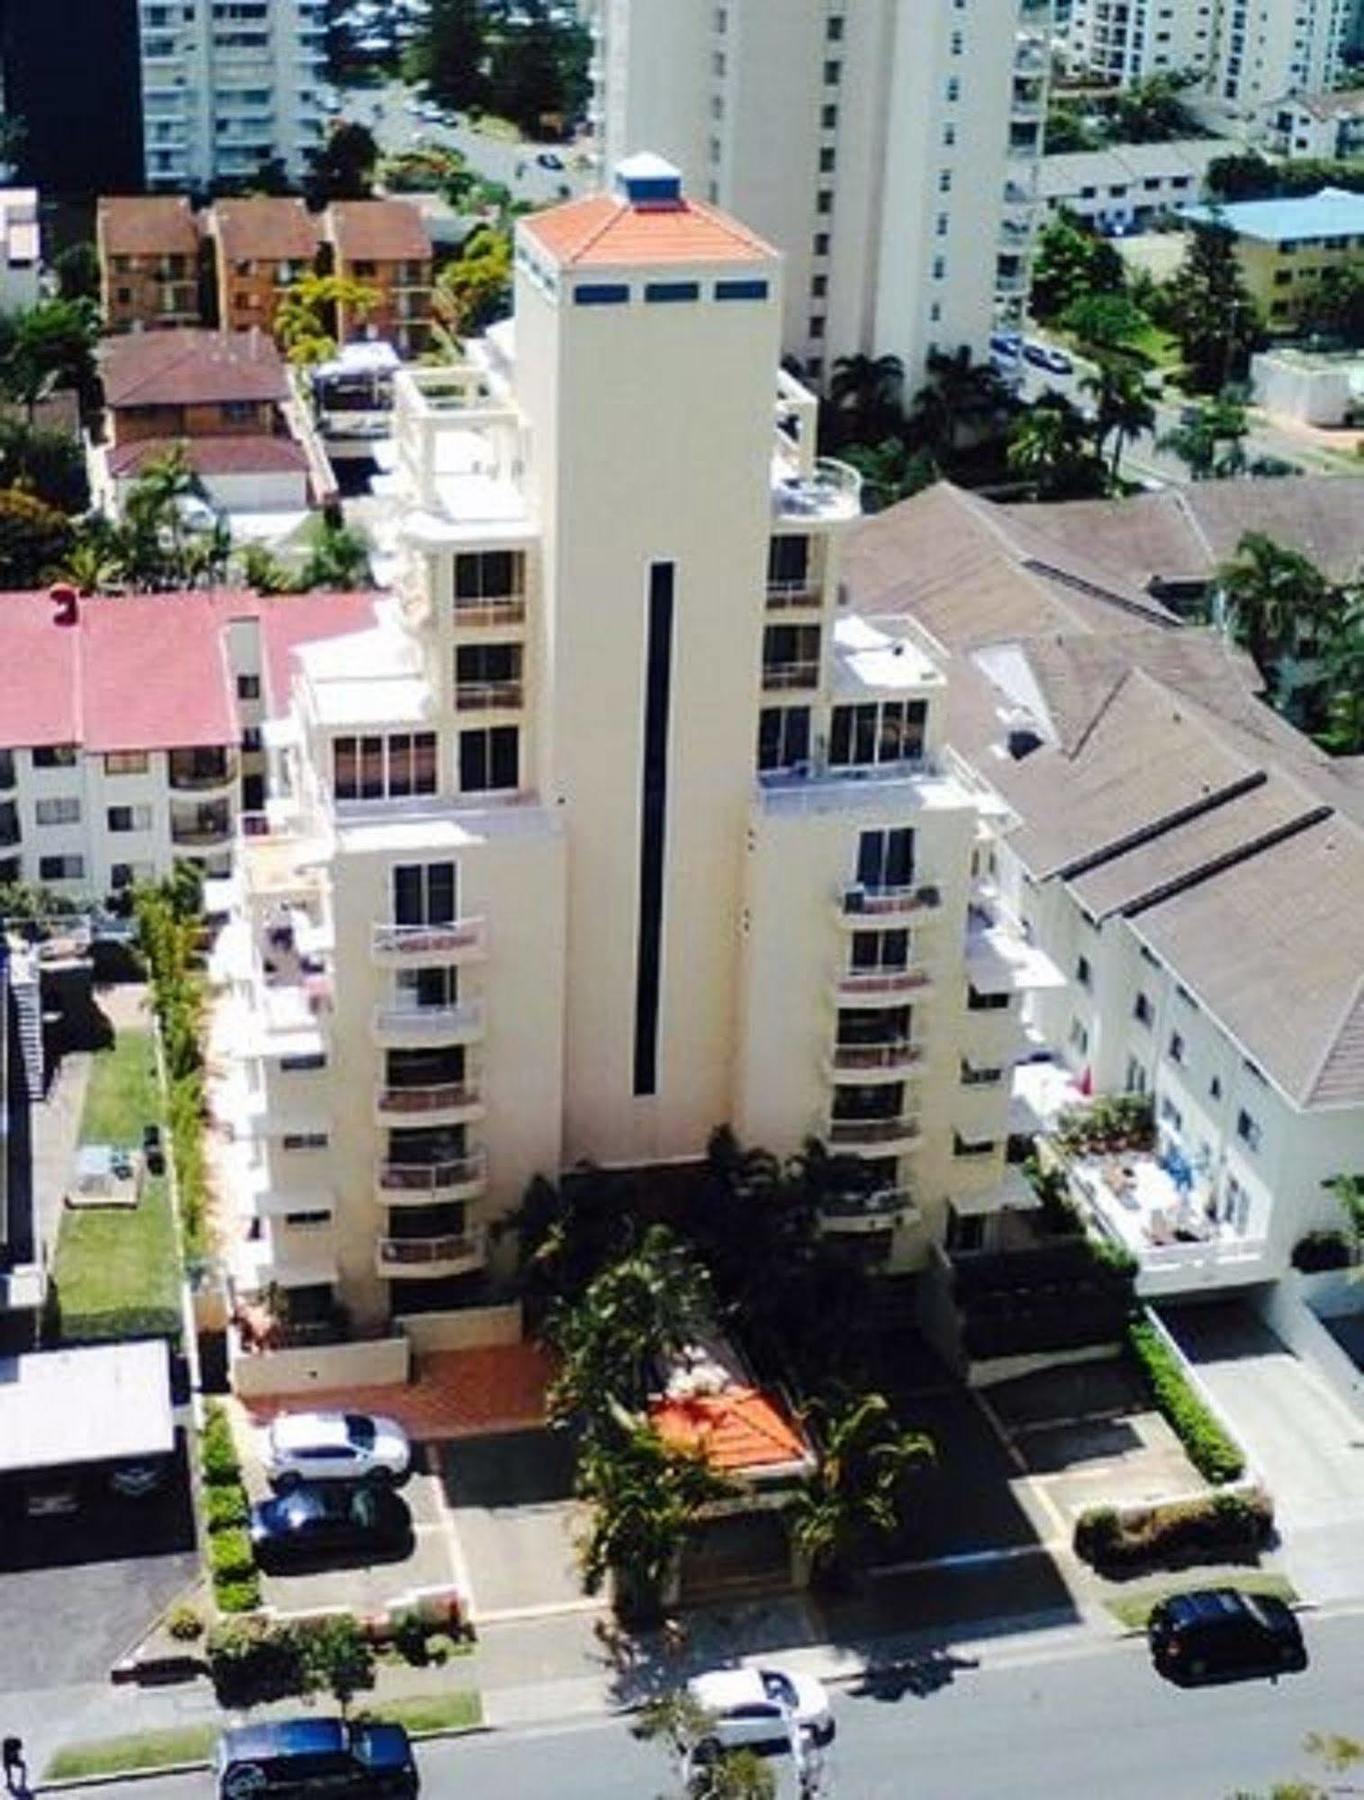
x=1212 y=311
x=474 y=290
x=1274 y=596
x=1072 y=262
x=856 y=1494
x=448 y=54
x=1124 y=408
x=48 y=346
x=1051 y=446
x=305 y=318
x=1333 y=305
x=959 y=400
x=1210 y=438
x=34 y=539
x=343 y=167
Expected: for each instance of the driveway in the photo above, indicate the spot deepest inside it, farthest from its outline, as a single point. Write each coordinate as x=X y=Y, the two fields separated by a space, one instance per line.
x=511 y=1501
x=1301 y=1439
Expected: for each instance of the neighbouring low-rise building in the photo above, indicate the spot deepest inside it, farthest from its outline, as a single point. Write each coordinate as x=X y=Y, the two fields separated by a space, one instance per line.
x=131 y=728
x=262 y=245
x=148 y=248
x=1325 y=126
x=20 y=249
x=1283 y=246
x=1130 y=186
x=385 y=246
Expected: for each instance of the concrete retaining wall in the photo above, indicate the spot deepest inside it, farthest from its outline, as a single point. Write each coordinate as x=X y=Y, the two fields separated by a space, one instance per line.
x=472 y=1328
x=1294 y=1309
x=375 y=1362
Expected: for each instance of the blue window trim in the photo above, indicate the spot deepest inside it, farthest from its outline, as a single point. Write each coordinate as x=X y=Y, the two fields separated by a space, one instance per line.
x=741 y=290
x=672 y=290
x=601 y=293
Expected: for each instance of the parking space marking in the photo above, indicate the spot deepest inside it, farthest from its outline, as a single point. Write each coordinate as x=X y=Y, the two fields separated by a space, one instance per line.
x=458 y=1566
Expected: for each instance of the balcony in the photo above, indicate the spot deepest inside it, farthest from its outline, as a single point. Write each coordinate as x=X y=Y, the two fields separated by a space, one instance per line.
x=448 y=1103
x=202 y=828
x=863 y=901
x=875 y=1136
x=477 y=615
x=874 y=985
x=403 y=1025
x=422 y=1184
x=197 y=772
x=877 y=1211
x=411 y=944
x=870 y=1062
x=488 y=696
x=412 y=1258
x=793 y=596
x=781 y=677
x=828 y=490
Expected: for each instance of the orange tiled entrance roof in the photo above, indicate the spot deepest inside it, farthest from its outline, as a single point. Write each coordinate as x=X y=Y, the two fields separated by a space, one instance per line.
x=735 y=1430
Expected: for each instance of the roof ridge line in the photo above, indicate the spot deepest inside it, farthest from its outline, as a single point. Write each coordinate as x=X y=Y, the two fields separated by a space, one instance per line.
x=986 y=513
x=1356 y=996
x=1229 y=859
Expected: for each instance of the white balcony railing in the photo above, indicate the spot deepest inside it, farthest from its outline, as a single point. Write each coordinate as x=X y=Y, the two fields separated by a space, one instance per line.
x=778 y=677
x=845 y=1133
x=428 y=940
x=783 y=595
x=428 y=1022
x=488 y=696
x=859 y=982
x=868 y=1058
x=442 y=1255
x=863 y=900
x=433 y=1179
x=510 y=609
x=448 y=1096
x=873 y=1208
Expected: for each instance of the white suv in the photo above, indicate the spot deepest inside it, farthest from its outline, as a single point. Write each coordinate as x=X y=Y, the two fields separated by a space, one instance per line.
x=320 y=1446
x=761 y=1706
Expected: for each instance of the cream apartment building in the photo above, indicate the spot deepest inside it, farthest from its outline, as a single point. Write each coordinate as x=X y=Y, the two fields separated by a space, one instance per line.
x=614 y=827
x=888 y=150
x=227 y=87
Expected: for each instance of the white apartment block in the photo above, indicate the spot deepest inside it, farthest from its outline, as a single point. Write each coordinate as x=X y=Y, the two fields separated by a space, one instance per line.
x=888 y=150
x=1247 y=52
x=132 y=729
x=228 y=85
x=614 y=827
x=20 y=252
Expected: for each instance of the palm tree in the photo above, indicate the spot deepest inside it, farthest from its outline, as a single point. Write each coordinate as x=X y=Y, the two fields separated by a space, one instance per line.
x=959 y=396
x=1049 y=445
x=645 y=1497
x=154 y=536
x=262 y=571
x=1272 y=594
x=890 y=471
x=338 y=558
x=865 y=391
x=683 y=1725
x=93 y=565
x=855 y=1494
x=1124 y=408
x=1199 y=439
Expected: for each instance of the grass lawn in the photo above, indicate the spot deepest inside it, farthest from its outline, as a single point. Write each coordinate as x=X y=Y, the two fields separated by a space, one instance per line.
x=1133 y=1610
x=147 y=1750
x=459 y=1710
x=118 y=1270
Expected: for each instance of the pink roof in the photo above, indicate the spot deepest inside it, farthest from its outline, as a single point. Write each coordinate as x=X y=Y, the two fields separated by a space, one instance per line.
x=148 y=671
x=606 y=230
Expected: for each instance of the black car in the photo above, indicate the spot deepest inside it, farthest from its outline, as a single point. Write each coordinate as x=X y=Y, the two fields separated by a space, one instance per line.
x=319 y=1521
x=153 y=1150
x=1217 y=1634
x=294 y=1759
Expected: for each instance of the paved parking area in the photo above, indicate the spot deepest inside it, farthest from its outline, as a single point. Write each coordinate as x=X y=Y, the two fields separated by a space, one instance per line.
x=511 y=1500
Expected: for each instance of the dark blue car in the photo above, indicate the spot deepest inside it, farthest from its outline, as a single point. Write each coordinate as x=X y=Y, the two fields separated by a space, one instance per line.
x=300 y=1759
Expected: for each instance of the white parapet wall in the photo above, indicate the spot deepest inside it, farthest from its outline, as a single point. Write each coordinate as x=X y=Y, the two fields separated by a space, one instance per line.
x=320 y=1368
x=1294 y=1309
x=471 y=1328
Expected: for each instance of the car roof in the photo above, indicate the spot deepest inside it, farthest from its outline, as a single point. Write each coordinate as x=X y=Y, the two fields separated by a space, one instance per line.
x=278 y=1737
x=1211 y=1605
x=293 y=1429
x=721 y=1688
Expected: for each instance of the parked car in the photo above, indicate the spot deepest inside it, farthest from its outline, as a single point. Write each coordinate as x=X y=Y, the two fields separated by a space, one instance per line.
x=327 y=1446
x=762 y=1706
x=294 y=1759
x=1046 y=356
x=1217 y=1634
x=549 y=159
x=1006 y=344
x=325 y=1521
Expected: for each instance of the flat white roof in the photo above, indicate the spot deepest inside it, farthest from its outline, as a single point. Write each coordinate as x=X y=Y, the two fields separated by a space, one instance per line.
x=100 y=1403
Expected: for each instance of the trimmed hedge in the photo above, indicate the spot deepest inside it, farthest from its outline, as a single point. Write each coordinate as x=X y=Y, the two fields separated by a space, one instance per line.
x=1212 y=1452
x=218 y=1452
x=1220 y=1528
x=231 y=1560
x=226 y=1507
x=230 y=1556
x=240 y=1596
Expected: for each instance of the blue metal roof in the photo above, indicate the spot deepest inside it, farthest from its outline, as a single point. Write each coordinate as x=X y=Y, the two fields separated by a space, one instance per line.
x=1333 y=213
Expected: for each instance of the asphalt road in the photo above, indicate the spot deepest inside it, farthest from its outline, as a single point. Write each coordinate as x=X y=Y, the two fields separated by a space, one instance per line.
x=1072 y=1727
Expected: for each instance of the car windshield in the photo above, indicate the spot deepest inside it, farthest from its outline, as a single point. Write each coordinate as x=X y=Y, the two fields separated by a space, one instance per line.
x=360 y=1430
x=777 y=1687
x=363 y=1507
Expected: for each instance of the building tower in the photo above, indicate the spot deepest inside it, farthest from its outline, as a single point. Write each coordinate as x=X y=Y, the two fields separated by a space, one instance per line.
x=887 y=150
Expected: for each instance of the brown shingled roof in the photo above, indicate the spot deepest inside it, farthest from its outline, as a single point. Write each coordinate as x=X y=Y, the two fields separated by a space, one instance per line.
x=378 y=231
x=147 y=225
x=190 y=367
x=264 y=228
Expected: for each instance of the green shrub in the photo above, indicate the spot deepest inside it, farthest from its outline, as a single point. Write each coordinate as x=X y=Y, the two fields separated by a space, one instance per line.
x=217 y=1451
x=240 y=1596
x=230 y=1557
x=1322 y=1250
x=1216 y=1528
x=184 y=1623
x=226 y=1506
x=410 y=1638
x=1211 y=1451
x=252 y=1662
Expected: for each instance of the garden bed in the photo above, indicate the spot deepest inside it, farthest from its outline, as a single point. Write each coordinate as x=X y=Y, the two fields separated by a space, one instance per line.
x=1225 y=1527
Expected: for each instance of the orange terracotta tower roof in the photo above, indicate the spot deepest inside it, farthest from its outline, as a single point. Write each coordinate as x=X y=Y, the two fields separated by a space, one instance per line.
x=647 y=219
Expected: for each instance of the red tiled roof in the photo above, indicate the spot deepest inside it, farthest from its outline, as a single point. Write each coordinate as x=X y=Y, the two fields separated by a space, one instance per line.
x=378 y=231
x=191 y=368
x=255 y=454
x=735 y=1430
x=606 y=230
x=147 y=225
x=263 y=228
x=147 y=671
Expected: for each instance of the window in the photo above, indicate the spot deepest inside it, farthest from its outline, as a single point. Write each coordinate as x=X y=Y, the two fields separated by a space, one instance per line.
x=949 y=135
x=1170 y=1114
x=1215 y=1088
x=963 y=1146
x=982 y=1077
x=130 y=818
x=489 y=761
x=819 y=286
x=833 y=30
x=1141 y=1010
x=248 y=687
x=252 y=737
x=425 y=894
x=309 y=1060
x=377 y=768
x=128 y=874
x=885 y=859
x=1083 y=973
x=820 y=243
x=488 y=675
x=976 y=1001
x=1248 y=1129
x=1176 y=1047
x=661 y=292
x=306 y=1220
x=953 y=88
x=61 y=868
x=824 y=201
x=601 y=293
x=488 y=575
x=828 y=118
x=741 y=290
x=877 y=732
x=873 y=950
x=58 y=812
x=832 y=73
x=422 y=990
x=305 y=1140
x=55 y=756
x=126 y=762
x=944 y=181
x=827 y=158
x=1078 y=1037
x=783 y=737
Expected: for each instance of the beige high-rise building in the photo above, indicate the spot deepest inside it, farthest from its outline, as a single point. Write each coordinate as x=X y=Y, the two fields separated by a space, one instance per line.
x=615 y=827
x=886 y=147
